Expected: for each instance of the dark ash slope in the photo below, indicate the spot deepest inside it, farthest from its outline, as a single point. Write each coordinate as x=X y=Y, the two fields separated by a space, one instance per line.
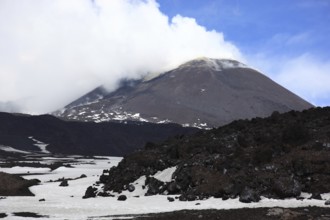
x=87 y=138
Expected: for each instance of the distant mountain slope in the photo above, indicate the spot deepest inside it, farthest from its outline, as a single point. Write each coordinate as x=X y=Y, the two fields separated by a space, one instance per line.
x=48 y=133
x=203 y=93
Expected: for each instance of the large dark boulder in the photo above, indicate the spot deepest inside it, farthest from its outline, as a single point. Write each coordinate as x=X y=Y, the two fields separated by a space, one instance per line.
x=154 y=186
x=285 y=187
x=90 y=192
x=173 y=188
x=64 y=183
x=122 y=198
x=249 y=195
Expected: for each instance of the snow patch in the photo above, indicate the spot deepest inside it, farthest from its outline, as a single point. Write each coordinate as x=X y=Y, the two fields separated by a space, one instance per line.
x=215 y=64
x=165 y=175
x=140 y=188
x=24 y=170
x=11 y=149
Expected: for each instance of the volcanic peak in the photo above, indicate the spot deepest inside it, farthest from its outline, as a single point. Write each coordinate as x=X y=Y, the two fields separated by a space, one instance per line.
x=215 y=64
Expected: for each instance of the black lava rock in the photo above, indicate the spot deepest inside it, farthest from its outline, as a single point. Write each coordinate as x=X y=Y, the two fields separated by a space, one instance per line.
x=154 y=186
x=90 y=192
x=64 y=183
x=249 y=195
x=122 y=198
x=316 y=196
x=130 y=188
x=173 y=188
x=286 y=187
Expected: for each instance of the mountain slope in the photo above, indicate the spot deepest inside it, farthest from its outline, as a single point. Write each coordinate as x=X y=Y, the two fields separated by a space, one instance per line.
x=203 y=92
x=48 y=133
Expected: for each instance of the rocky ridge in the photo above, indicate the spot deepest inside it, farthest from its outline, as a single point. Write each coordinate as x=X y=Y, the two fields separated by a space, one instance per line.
x=277 y=157
x=22 y=134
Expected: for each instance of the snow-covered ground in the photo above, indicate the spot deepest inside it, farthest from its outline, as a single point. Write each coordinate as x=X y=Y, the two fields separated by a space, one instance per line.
x=67 y=202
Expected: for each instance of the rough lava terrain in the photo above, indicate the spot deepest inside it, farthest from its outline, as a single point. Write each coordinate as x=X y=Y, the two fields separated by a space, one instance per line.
x=282 y=156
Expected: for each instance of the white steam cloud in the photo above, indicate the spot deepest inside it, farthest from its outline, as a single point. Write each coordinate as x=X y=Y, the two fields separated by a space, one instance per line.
x=51 y=52
x=305 y=75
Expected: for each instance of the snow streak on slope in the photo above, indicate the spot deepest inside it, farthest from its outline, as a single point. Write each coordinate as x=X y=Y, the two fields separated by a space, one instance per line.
x=42 y=146
x=11 y=149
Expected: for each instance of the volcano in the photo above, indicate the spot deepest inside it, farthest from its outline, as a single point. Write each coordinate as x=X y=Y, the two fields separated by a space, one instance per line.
x=202 y=93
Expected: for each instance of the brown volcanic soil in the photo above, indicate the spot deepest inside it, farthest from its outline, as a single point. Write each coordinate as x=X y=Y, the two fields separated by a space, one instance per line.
x=276 y=157
x=13 y=185
x=307 y=213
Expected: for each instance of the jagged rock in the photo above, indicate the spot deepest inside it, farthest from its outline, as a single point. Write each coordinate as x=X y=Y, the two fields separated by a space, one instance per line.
x=154 y=186
x=191 y=197
x=286 y=187
x=316 y=196
x=122 y=198
x=173 y=188
x=182 y=198
x=90 y=192
x=83 y=176
x=64 y=183
x=249 y=195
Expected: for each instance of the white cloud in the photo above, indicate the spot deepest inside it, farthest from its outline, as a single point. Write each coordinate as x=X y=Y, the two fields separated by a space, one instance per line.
x=286 y=39
x=53 y=51
x=305 y=75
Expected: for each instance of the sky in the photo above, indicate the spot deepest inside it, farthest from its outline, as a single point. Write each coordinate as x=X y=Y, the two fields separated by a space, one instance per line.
x=54 y=51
